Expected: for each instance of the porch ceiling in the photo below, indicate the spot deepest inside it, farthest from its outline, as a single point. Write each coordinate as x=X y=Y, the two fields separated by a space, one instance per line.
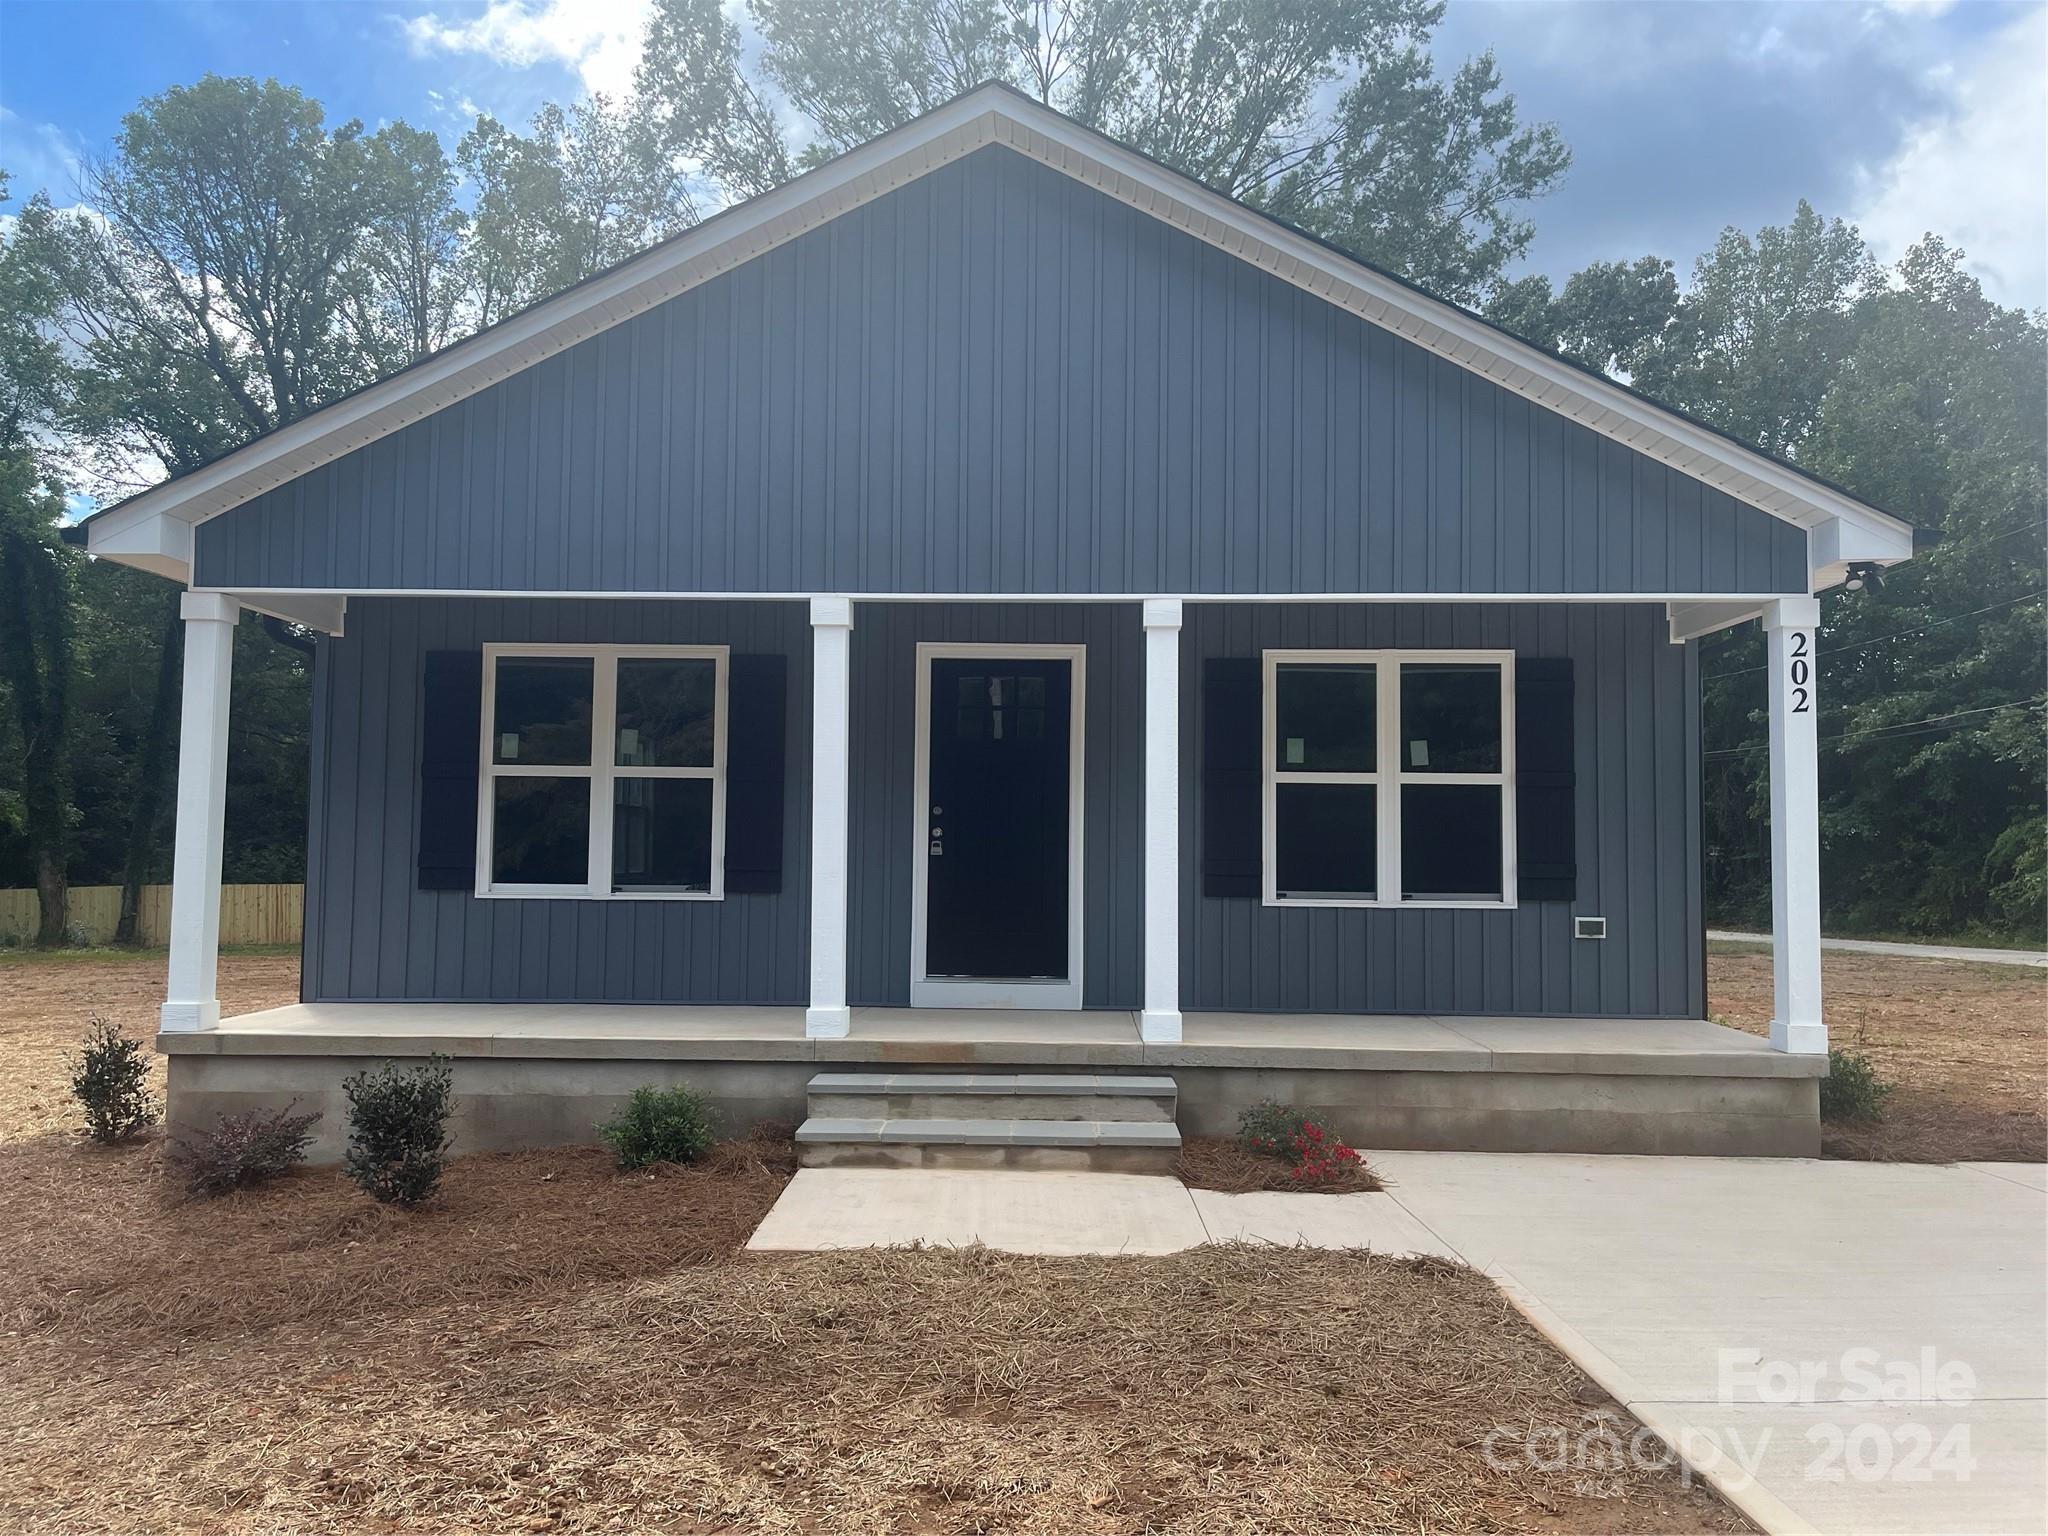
x=946 y=1037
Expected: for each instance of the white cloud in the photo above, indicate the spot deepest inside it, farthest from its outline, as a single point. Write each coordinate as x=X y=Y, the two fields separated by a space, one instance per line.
x=1976 y=172
x=38 y=157
x=599 y=39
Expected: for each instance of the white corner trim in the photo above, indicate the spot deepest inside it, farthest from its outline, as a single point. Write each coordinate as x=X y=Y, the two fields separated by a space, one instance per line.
x=987 y=115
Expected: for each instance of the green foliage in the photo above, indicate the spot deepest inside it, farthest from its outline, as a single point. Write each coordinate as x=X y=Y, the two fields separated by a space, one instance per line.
x=243 y=1149
x=1853 y=1090
x=660 y=1125
x=1330 y=112
x=398 y=1129
x=110 y=1080
x=1271 y=1127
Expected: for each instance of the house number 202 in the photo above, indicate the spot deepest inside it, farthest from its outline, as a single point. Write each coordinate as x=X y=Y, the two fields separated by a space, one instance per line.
x=1800 y=671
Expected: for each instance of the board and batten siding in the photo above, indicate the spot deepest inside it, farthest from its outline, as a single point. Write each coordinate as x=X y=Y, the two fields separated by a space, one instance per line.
x=372 y=934
x=1636 y=744
x=996 y=379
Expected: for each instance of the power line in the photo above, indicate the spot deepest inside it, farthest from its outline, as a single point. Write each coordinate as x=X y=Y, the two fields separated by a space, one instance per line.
x=1839 y=650
x=1896 y=728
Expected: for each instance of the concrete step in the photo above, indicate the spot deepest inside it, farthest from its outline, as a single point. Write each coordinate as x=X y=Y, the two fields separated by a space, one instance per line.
x=1102 y=1146
x=1065 y=1096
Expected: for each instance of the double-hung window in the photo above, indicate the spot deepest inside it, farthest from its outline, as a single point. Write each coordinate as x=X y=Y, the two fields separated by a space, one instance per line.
x=1389 y=778
x=603 y=772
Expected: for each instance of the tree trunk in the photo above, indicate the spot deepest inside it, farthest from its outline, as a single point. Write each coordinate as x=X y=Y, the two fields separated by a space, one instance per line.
x=152 y=775
x=53 y=898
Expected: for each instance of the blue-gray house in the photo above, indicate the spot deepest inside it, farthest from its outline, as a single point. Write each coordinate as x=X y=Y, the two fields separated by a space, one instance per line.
x=994 y=601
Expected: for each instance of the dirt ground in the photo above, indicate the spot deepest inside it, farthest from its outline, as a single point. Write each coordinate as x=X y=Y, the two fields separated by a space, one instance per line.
x=1967 y=1045
x=552 y=1345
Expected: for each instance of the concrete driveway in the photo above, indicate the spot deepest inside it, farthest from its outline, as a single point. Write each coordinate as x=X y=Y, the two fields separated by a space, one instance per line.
x=1750 y=1311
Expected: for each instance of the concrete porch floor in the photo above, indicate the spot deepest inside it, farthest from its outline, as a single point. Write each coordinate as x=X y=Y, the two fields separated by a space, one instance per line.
x=535 y=1074
x=1094 y=1037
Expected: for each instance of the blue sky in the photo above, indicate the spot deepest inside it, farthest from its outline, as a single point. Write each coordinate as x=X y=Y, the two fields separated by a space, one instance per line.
x=1684 y=115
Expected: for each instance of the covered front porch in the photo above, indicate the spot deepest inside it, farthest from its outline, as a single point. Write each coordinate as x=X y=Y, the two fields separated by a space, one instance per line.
x=533 y=1073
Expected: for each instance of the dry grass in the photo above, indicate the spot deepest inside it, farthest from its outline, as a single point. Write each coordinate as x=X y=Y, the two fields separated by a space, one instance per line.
x=1218 y=1162
x=552 y=1345
x=1967 y=1044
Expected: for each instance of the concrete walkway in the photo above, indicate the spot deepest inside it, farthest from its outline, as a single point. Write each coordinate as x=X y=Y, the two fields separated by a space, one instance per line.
x=1700 y=1292
x=1909 y=951
x=1067 y=1213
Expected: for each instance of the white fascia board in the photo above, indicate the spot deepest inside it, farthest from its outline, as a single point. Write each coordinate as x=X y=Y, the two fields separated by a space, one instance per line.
x=1691 y=620
x=993 y=115
x=324 y=612
x=159 y=544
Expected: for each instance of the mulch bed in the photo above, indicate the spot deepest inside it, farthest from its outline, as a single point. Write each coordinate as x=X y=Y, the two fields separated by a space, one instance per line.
x=1220 y=1163
x=553 y=1345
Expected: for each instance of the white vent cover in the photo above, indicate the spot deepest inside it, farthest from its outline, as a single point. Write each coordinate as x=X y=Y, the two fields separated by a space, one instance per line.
x=1589 y=927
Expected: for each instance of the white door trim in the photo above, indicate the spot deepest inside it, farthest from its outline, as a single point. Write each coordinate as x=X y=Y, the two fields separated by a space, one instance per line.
x=928 y=993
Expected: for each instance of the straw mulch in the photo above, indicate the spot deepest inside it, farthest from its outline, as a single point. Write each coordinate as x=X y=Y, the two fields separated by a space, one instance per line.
x=1220 y=1162
x=552 y=1345
x=1226 y=1390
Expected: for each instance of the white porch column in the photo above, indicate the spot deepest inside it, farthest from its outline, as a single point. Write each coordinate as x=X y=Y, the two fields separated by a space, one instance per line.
x=1796 y=1023
x=831 y=741
x=191 y=998
x=1160 y=1022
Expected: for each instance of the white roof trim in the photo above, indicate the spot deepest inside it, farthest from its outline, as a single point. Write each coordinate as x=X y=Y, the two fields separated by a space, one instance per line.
x=1852 y=530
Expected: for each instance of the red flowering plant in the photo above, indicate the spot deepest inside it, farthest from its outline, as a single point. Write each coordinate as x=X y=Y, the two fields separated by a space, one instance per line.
x=1318 y=1155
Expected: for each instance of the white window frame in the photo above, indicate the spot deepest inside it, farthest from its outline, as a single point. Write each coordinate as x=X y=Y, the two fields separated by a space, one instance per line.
x=1389 y=774
x=602 y=773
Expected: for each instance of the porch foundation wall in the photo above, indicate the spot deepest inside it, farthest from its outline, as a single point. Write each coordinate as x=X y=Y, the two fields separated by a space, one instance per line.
x=505 y=1104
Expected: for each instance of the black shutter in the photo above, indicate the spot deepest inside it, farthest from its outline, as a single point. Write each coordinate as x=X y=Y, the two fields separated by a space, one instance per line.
x=756 y=762
x=452 y=700
x=1232 y=722
x=1546 y=783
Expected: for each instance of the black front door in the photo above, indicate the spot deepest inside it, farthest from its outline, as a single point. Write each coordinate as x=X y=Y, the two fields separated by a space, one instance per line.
x=996 y=819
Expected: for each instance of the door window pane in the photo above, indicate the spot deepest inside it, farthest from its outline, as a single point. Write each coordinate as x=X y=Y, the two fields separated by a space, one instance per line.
x=540 y=831
x=661 y=835
x=542 y=712
x=667 y=712
x=1326 y=839
x=1450 y=842
x=1325 y=718
x=1450 y=717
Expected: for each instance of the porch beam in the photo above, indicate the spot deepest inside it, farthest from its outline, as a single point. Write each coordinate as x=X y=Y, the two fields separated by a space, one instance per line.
x=1796 y=1022
x=192 y=990
x=1160 y=1022
x=831 y=744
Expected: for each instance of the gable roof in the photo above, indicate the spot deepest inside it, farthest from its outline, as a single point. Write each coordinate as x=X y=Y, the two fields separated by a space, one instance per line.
x=153 y=528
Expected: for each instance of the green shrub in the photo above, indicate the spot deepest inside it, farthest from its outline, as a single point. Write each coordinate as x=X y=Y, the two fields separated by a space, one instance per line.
x=398 y=1129
x=243 y=1149
x=1271 y=1127
x=110 y=1080
x=659 y=1125
x=1852 y=1090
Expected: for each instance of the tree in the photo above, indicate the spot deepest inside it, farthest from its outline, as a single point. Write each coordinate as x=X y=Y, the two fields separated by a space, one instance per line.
x=1928 y=400
x=1328 y=113
x=587 y=189
x=405 y=285
x=35 y=640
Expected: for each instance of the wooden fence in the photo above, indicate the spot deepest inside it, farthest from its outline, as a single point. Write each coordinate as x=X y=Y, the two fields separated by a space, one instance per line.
x=249 y=914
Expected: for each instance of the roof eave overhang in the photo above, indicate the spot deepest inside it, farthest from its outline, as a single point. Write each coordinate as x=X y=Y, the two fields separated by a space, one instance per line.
x=154 y=530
